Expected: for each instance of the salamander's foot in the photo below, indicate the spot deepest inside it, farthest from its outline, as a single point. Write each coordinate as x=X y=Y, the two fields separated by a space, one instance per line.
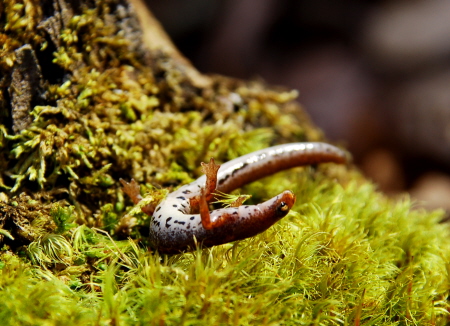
x=198 y=203
x=132 y=190
x=210 y=170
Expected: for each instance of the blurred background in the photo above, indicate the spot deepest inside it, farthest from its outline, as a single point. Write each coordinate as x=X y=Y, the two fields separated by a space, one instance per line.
x=374 y=75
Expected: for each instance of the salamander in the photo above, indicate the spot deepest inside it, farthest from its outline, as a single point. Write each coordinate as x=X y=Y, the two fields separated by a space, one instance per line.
x=183 y=218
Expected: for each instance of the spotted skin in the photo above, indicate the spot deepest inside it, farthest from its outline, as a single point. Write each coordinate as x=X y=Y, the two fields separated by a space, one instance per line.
x=177 y=220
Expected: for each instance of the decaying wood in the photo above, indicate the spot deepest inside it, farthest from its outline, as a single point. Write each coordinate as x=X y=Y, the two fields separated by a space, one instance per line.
x=156 y=39
x=25 y=80
x=26 y=87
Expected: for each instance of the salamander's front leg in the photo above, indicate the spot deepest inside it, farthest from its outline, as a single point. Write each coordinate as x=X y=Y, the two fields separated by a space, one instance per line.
x=206 y=216
x=210 y=170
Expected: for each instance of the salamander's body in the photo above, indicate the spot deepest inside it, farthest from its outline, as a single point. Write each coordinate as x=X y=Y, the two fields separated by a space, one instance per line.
x=184 y=213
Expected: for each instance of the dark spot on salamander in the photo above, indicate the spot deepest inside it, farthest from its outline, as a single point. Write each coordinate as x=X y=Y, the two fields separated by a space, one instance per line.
x=188 y=226
x=168 y=219
x=224 y=179
x=180 y=211
x=237 y=170
x=182 y=223
x=192 y=217
x=174 y=205
x=246 y=206
x=235 y=212
x=181 y=197
x=158 y=208
x=186 y=192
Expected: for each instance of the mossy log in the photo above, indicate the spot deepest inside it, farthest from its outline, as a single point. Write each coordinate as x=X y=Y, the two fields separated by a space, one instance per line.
x=88 y=97
x=91 y=92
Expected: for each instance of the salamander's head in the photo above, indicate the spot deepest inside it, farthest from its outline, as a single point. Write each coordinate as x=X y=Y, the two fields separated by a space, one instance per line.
x=284 y=203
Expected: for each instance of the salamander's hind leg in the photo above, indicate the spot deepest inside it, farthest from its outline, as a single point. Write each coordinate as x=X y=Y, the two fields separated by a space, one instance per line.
x=132 y=190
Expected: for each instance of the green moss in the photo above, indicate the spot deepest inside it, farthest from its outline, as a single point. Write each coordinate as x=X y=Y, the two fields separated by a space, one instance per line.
x=345 y=255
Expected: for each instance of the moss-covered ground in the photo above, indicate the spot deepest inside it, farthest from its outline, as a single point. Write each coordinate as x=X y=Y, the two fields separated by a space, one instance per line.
x=74 y=250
